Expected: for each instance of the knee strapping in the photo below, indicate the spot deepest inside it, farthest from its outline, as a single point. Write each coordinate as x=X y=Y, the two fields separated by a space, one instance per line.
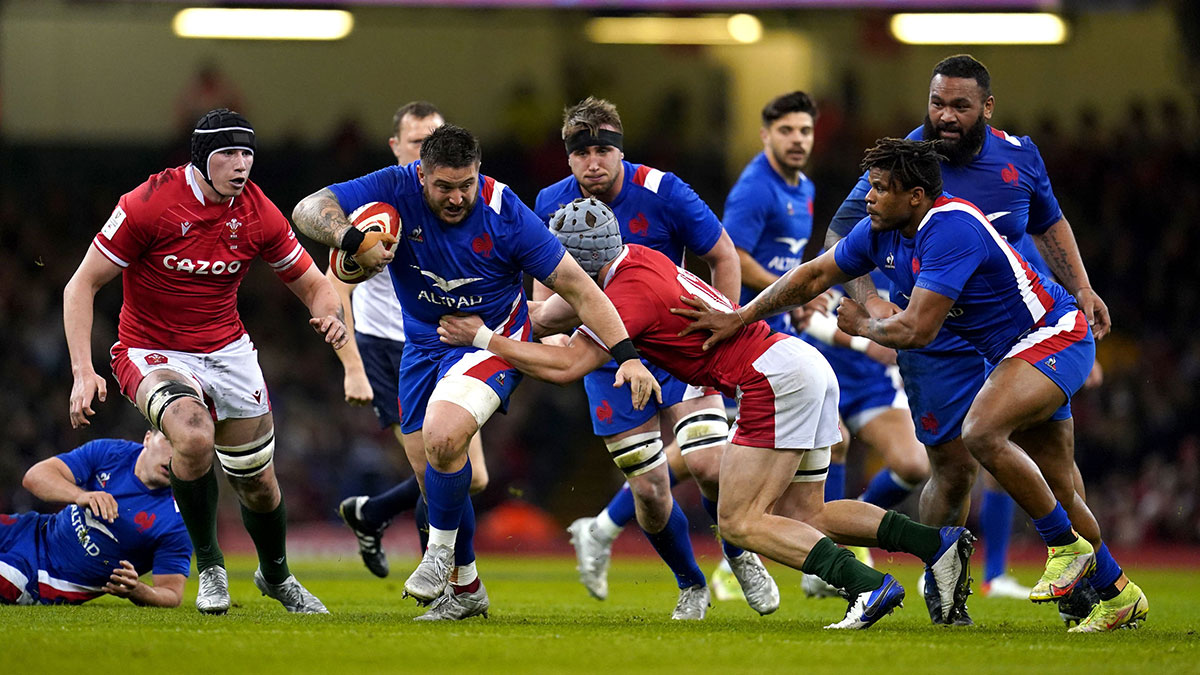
x=250 y=459
x=472 y=395
x=637 y=454
x=164 y=394
x=702 y=429
x=814 y=466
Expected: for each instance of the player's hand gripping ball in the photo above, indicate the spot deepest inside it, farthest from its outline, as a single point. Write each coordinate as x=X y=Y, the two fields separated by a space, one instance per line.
x=370 y=217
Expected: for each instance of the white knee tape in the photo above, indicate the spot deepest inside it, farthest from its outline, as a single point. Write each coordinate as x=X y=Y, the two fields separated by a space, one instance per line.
x=639 y=453
x=702 y=429
x=468 y=393
x=814 y=466
x=247 y=460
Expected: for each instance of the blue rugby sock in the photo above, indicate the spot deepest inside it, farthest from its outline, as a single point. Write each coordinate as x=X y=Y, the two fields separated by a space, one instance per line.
x=730 y=550
x=620 y=509
x=446 y=496
x=1104 y=577
x=1055 y=527
x=381 y=508
x=464 y=543
x=421 y=518
x=835 y=482
x=995 y=524
x=885 y=490
x=674 y=546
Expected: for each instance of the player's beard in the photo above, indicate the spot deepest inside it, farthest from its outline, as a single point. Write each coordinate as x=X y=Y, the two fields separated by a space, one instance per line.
x=962 y=150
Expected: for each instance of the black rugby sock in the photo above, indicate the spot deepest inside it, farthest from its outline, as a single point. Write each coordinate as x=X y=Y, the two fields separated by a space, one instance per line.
x=197 y=501
x=269 y=532
x=839 y=567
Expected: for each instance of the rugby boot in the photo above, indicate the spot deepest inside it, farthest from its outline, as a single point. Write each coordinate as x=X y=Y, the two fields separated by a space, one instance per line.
x=1078 y=604
x=294 y=597
x=760 y=589
x=1127 y=610
x=427 y=582
x=451 y=606
x=948 y=575
x=370 y=539
x=213 y=595
x=869 y=607
x=1005 y=586
x=1065 y=566
x=692 y=605
x=592 y=555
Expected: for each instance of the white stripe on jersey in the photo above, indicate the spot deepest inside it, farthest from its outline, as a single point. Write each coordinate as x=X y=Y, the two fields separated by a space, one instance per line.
x=653 y=180
x=288 y=260
x=109 y=254
x=63 y=585
x=1024 y=285
x=1065 y=324
x=497 y=196
x=14 y=577
x=1011 y=139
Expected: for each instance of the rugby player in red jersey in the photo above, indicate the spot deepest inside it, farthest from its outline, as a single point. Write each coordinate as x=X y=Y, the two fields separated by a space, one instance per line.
x=183 y=241
x=787 y=418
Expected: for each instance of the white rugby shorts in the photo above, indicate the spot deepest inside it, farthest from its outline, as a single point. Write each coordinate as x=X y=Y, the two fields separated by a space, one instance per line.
x=230 y=377
x=791 y=400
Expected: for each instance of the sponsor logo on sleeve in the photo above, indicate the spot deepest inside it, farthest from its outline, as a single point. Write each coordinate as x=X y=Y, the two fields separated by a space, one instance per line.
x=114 y=223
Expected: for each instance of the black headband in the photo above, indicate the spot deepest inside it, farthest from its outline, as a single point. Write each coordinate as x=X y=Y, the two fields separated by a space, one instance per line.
x=584 y=138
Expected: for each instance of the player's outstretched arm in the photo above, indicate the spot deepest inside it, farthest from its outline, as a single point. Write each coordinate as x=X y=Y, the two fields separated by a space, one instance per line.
x=355 y=383
x=78 y=305
x=167 y=590
x=320 y=217
x=914 y=327
x=315 y=291
x=1057 y=245
x=51 y=480
x=557 y=364
x=553 y=315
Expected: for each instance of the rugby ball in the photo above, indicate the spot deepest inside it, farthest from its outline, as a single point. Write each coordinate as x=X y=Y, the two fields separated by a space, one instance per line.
x=370 y=217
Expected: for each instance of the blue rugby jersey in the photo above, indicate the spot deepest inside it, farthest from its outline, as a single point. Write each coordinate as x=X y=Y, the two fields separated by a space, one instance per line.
x=473 y=266
x=957 y=253
x=770 y=220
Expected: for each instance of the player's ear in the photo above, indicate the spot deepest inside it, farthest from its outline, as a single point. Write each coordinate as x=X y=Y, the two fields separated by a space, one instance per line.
x=918 y=195
x=421 y=173
x=989 y=104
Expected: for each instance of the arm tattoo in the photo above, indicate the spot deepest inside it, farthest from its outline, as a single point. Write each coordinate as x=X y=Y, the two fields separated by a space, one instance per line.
x=779 y=296
x=861 y=288
x=320 y=218
x=550 y=280
x=1060 y=263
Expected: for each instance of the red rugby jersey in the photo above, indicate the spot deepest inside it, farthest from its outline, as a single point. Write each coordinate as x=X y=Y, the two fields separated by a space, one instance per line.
x=183 y=259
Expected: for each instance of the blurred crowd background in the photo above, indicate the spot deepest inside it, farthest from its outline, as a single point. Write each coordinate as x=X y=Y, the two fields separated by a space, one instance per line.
x=1127 y=173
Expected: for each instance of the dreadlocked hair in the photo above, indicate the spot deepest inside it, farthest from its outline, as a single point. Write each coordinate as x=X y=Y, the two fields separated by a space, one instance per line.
x=912 y=164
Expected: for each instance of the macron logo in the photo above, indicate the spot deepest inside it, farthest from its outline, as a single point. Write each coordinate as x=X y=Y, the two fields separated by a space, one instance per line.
x=185 y=226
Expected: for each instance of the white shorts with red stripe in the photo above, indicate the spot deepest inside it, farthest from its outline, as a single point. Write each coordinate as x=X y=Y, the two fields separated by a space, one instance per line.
x=230 y=378
x=790 y=402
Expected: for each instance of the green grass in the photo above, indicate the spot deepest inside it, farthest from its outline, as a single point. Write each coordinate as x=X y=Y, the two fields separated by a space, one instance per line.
x=544 y=622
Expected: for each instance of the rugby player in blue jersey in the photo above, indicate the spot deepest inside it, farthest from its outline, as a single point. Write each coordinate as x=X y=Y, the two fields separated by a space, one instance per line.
x=120 y=523
x=768 y=214
x=465 y=242
x=1004 y=176
x=948 y=265
x=657 y=210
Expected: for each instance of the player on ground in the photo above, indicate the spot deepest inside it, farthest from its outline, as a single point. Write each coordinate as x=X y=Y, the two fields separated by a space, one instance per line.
x=658 y=210
x=466 y=240
x=1004 y=176
x=120 y=523
x=768 y=214
x=948 y=265
x=787 y=419
x=372 y=365
x=184 y=240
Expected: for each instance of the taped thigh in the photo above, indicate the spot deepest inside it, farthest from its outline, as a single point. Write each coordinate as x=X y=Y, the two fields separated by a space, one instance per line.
x=250 y=459
x=638 y=453
x=163 y=395
x=814 y=466
x=702 y=429
x=466 y=392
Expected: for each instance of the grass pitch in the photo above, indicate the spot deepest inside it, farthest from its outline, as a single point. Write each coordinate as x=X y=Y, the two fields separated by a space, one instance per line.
x=543 y=621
